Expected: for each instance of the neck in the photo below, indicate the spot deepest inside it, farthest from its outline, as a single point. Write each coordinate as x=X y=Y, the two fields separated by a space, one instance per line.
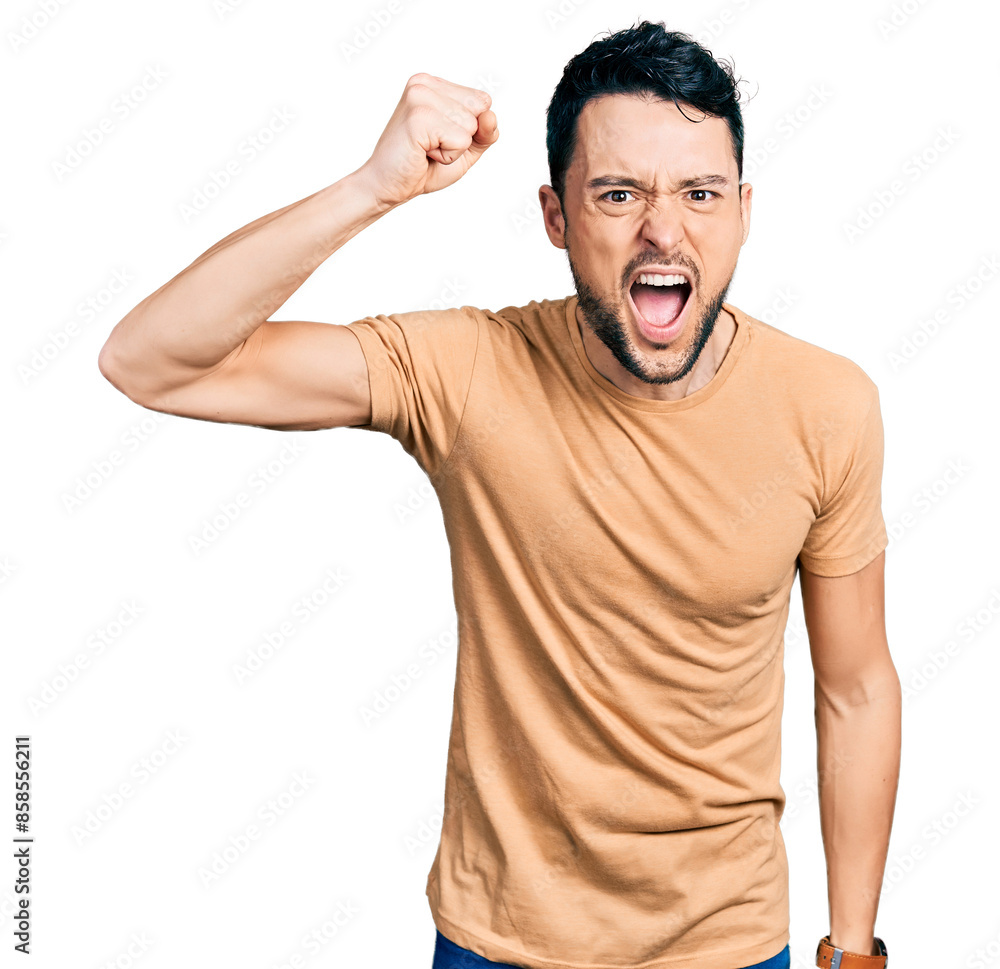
x=704 y=369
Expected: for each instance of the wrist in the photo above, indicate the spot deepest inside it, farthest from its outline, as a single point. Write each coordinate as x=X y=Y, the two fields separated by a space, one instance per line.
x=862 y=945
x=367 y=185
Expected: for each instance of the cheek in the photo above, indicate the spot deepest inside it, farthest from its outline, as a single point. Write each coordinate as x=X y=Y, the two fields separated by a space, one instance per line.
x=720 y=251
x=598 y=261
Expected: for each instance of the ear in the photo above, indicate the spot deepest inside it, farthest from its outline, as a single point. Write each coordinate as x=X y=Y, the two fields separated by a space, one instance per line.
x=552 y=215
x=746 y=196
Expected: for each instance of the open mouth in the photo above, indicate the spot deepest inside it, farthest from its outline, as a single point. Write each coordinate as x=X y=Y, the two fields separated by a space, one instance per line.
x=662 y=301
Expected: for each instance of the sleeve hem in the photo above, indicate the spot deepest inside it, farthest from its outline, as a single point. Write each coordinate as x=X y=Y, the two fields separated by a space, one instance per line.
x=377 y=379
x=837 y=565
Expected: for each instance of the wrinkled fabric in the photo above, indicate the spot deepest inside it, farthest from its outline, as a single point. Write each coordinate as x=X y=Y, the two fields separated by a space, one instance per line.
x=621 y=572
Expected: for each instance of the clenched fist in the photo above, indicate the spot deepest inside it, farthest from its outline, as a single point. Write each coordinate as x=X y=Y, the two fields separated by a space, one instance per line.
x=438 y=131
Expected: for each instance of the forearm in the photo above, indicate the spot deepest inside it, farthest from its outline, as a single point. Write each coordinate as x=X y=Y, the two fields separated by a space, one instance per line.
x=858 y=740
x=191 y=323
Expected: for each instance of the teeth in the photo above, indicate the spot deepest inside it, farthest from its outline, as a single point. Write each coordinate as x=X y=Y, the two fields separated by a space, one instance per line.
x=655 y=279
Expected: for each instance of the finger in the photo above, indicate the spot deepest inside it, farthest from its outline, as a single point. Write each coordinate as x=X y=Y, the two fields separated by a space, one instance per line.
x=445 y=156
x=450 y=144
x=451 y=134
x=471 y=98
x=460 y=112
x=485 y=135
x=463 y=113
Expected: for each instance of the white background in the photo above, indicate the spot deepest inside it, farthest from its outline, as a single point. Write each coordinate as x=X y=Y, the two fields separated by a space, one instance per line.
x=102 y=498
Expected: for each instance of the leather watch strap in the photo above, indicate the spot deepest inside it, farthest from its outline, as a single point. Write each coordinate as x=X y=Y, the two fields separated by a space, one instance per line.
x=830 y=957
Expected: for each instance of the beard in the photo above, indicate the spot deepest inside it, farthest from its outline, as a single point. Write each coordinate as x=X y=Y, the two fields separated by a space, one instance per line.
x=604 y=319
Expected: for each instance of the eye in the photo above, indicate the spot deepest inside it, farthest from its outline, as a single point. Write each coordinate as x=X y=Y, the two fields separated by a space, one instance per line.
x=703 y=191
x=616 y=191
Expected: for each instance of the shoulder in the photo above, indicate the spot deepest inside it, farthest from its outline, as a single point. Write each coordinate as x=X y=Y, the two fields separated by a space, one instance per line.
x=535 y=309
x=811 y=376
x=536 y=324
x=452 y=329
x=532 y=314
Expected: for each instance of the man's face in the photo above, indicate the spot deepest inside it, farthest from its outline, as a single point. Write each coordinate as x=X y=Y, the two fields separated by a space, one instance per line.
x=649 y=188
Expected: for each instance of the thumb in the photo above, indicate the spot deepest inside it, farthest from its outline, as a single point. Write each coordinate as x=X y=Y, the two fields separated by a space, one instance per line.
x=486 y=134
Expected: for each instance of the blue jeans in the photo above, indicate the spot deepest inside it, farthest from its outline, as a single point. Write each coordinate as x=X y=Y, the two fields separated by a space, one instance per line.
x=447 y=955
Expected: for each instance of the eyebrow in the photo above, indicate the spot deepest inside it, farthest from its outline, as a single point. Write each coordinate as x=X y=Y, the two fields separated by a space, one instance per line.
x=606 y=181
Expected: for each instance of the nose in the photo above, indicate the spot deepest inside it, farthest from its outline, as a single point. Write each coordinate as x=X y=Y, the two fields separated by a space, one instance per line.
x=662 y=226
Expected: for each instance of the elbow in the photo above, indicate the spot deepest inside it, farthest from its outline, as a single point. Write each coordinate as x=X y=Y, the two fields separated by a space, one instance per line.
x=117 y=374
x=114 y=364
x=109 y=368
x=872 y=688
x=105 y=362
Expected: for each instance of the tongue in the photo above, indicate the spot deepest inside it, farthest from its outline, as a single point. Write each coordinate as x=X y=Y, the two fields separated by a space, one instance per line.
x=659 y=305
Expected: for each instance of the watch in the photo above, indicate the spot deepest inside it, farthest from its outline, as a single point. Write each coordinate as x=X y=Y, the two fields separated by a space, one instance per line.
x=830 y=957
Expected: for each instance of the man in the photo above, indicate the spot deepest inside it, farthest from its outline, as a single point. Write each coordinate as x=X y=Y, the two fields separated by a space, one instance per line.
x=630 y=478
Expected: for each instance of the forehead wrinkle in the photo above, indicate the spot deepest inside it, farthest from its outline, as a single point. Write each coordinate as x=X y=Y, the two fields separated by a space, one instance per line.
x=632 y=181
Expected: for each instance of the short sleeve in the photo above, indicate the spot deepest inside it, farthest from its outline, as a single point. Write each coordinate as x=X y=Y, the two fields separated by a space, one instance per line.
x=849 y=530
x=420 y=367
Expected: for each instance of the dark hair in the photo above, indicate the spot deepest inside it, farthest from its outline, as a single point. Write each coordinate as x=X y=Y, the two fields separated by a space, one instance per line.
x=646 y=58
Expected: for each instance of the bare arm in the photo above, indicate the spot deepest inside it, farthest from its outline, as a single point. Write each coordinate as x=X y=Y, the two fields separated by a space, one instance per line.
x=202 y=344
x=210 y=319
x=858 y=727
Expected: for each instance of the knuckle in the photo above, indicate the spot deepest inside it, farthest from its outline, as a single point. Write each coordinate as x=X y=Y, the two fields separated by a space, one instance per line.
x=420 y=78
x=424 y=113
x=476 y=101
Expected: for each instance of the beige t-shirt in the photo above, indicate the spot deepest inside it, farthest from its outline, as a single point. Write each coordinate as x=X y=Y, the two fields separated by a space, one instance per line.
x=621 y=571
